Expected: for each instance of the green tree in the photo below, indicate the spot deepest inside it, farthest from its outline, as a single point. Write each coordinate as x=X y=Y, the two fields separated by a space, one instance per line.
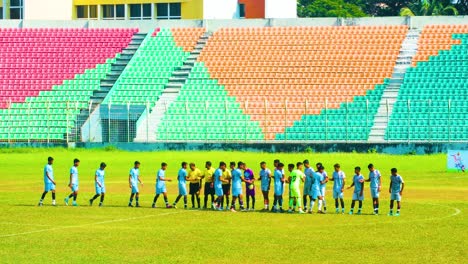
x=384 y=7
x=429 y=8
x=328 y=8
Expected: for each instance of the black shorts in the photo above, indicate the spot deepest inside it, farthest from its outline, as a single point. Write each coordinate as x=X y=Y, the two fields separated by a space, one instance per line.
x=208 y=189
x=227 y=189
x=194 y=188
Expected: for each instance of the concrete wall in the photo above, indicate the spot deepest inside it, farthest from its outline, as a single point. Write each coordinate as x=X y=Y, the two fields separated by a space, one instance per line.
x=48 y=9
x=395 y=148
x=213 y=24
x=220 y=9
x=280 y=8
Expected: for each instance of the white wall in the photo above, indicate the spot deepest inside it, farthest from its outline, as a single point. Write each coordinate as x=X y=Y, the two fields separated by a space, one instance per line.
x=280 y=8
x=220 y=9
x=48 y=9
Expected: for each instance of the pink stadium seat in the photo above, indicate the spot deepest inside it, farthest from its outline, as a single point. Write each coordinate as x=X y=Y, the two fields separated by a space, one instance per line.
x=34 y=59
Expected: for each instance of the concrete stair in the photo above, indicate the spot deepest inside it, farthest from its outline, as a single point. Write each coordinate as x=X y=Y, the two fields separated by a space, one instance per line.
x=408 y=50
x=149 y=121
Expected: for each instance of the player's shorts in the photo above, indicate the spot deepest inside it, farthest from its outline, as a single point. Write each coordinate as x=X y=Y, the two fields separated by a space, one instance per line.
x=250 y=192
x=208 y=189
x=395 y=196
x=236 y=191
x=294 y=192
x=74 y=187
x=357 y=197
x=226 y=189
x=100 y=189
x=322 y=191
x=265 y=187
x=337 y=194
x=194 y=188
x=135 y=189
x=279 y=190
x=182 y=189
x=161 y=189
x=306 y=190
x=49 y=187
x=219 y=191
x=315 y=193
x=374 y=192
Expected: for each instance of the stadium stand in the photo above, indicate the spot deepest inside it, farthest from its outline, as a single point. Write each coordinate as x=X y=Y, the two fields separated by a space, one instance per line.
x=432 y=102
x=280 y=74
x=48 y=75
x=204 y=111
x=146 y=75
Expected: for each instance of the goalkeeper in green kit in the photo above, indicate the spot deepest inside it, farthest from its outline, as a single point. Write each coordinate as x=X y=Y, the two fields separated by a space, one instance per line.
x=294 y=180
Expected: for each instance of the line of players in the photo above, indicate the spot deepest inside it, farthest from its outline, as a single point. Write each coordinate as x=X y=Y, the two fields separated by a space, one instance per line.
x=222 y=181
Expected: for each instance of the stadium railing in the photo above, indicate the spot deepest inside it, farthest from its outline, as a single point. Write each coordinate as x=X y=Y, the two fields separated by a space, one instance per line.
x=422 y=121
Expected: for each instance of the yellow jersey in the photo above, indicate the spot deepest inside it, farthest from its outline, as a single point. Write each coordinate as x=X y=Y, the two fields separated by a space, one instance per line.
x=194 y=176
x=227 y=176
x=208 y=175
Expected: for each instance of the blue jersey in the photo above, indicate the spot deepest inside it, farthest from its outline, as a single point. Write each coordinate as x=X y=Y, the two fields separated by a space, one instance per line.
x=236 y=179
x=338 y=180
x=160 y=183
x=278 y=176
x=309 y=173
x=100 y=176
x=374 y=177
x=395 y=183
x=134 y=174
x=324 y=176
x=48 y=170
x=358 y=186
x=182 y=176
x=318 y=177
x=265 y=178
x=74 y=175
x=217 y=178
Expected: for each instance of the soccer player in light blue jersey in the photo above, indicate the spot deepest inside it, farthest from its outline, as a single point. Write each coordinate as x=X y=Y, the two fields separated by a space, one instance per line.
x=161 y=185
x=182 y=178
x=73 y=184
x=279 y=188
x=218 y=184
x=133 y=180
x=265 y=179
x=49 y=182
x=396 y=191
x=316 y=191
x=237 y=179
x=309 y=175
x=358 y=195
x=375 y=186
x=99 y=184
x=338 y=180
x=323 y=184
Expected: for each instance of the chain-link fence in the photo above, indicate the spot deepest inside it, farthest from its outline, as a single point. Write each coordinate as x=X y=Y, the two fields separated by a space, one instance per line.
x=228 y=121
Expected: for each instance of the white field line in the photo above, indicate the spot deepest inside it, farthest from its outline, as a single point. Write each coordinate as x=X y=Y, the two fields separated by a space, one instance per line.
x=90 y=224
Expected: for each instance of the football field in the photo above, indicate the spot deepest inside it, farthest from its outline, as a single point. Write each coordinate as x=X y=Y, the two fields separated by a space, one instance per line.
x=432 y=228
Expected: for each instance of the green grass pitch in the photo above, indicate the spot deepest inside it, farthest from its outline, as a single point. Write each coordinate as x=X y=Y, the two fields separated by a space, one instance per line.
x=432 y=228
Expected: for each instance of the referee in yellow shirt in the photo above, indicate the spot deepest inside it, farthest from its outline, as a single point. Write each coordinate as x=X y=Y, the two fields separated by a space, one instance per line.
x=209 y=185
x=194 y=177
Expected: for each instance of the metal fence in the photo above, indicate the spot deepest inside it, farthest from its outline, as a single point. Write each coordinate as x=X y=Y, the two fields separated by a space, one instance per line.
x=223 y=121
